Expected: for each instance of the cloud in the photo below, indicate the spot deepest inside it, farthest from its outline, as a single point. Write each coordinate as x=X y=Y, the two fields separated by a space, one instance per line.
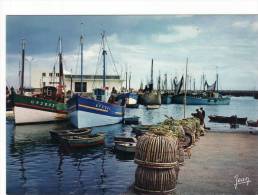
x=177 y=34
x=241 y=24
x=254 y=26
x=246 y=24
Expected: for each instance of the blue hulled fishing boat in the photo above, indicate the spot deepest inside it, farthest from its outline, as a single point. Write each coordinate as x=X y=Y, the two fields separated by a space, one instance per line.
x=201 y=100
x=98 y=110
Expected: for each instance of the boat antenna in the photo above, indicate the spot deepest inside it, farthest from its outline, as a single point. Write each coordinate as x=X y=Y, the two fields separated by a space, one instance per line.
x=126 y=81
x=129 y=86
x=104 y=53
x=22 y=72
x=185 y=85
x=81 y=42
x=217 y=79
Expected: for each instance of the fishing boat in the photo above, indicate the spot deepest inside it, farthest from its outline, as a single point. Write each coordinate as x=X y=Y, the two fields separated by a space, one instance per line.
x=166 y=98
x=83 y=141
x=44 y=107
x=209 y=95
x=150 y=97
x=252 y=123
x=132 y=100
x=125 y=144
x=56 y=134
x=200 y=100
x=99 y=110
x=225 y=119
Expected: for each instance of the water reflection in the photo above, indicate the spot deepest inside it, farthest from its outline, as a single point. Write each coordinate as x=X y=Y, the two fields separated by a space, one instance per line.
x=38 y=165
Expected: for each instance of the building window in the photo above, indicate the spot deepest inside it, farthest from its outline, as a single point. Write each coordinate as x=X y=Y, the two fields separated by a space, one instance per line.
x=43 y=74
x=44 y=84
x=57 y=74
x=50 y=74
x=78 y=87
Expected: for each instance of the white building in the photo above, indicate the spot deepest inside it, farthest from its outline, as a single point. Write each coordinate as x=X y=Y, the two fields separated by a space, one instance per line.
x=73 y=81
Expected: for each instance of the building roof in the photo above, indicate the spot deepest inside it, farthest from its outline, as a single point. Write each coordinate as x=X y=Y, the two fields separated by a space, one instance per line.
x=114 y=77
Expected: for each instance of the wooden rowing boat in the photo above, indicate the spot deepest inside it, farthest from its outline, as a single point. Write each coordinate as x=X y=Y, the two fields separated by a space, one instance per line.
x=224 y=119
x=56 y=134
x=80 y=141
x=126 y=147
x=252 y=123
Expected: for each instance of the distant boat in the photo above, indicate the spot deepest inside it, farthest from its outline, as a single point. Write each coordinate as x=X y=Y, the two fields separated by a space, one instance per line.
x=132 y=100
x=225 y=119
x=166 y=98
x=252 y=123
x=95 y=111
x=150 y=97
x=44 y=107
x=200 y=100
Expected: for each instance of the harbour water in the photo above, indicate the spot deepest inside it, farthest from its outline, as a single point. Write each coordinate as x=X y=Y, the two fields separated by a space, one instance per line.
x=38 y=165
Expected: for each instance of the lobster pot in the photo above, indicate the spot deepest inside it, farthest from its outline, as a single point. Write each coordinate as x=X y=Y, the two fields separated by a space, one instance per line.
x=157 y=163
x=181 y=155
x=151 y=180
x=190 y=132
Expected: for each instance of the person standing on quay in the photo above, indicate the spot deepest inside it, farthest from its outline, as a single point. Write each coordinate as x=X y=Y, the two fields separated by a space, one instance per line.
x=203 y=115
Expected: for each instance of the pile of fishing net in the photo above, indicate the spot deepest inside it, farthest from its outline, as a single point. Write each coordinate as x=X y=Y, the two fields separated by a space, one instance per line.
x=174 y=126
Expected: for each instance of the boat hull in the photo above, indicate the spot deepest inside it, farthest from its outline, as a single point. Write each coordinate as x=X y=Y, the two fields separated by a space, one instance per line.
x=166 y=99
x=126 y=147
x=85 y=112
x=36 y=110
x=82 y=142
x=224 y=119
x=190 y=100
x=151 y=98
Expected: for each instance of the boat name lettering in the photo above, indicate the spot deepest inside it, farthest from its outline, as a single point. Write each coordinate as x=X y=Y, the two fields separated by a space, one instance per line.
x=41 y=103
x=102 y=107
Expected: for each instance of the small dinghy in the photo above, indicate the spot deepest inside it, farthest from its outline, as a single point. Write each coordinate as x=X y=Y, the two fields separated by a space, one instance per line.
x=141 y=129
x=152 y=107
x=125 y=147
x=80 y=141
x=225 y=119
x=125 y=144
x=119 y=139
x=131 y=120
x=252 y=123
x=56 y=134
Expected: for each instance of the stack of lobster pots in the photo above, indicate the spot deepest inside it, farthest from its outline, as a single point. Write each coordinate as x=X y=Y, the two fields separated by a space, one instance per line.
x=158 y=168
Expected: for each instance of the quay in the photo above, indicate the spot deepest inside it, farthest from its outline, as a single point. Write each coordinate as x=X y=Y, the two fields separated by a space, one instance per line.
x=215 y=162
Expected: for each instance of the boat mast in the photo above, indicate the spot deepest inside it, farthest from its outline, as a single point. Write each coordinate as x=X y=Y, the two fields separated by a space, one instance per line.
x=22 y=72
x=158 y=87
x=129 y=85
x=185 y=84
x=166 y=82
x=61 y=73
x=217 y=79
x=81 y=42
x=104 y=53
x=151 y=73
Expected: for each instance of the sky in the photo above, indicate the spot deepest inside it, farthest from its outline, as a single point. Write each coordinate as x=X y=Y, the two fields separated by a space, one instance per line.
x=223 y=44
